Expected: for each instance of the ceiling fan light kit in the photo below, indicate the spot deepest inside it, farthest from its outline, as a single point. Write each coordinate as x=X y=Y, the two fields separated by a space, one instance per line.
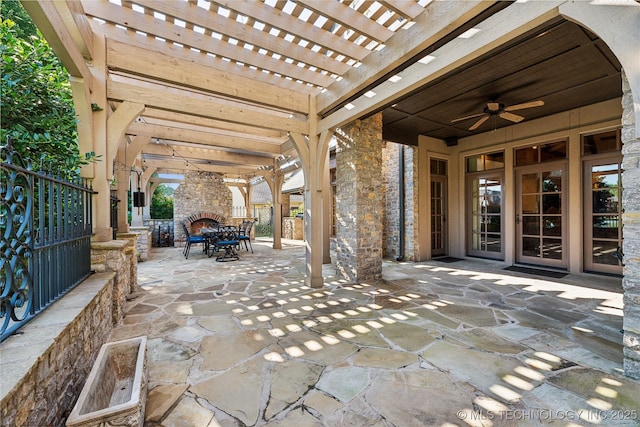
x=495 y=108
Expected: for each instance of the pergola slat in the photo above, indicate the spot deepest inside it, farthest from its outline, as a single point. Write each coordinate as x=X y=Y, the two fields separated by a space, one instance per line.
x=191 y=39
x=169 y=69
x=244 y=34
x=293 y=25
x=349 y=18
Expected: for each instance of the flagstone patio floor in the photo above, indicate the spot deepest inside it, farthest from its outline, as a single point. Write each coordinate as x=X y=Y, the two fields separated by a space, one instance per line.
x=246 y=343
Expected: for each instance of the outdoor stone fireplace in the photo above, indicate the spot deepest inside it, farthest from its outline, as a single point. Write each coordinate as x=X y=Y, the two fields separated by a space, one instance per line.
x=201 y=199
x=201 y=220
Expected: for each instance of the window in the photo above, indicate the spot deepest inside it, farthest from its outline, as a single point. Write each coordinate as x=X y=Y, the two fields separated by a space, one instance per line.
x=600 y=143
x=541 y=153
x=483 y=162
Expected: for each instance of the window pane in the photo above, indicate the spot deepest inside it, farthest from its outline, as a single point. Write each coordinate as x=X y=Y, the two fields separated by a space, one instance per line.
x=605 y=201
x=605 y=252
x=434 y=166
x=530 y=246
x=530 y=204
x=494 y=160
x=551 y=204
x=527 y=156
x=605 y=142
x=493 y=243
x=438 y=167
x=553 y=151
x=605 y=227
x=493 y=223
x=530 y=183
x=605 y=176
x=552 y=181
x=552 y=248
x=474 y=164
x=552 y=226
x=531 y=225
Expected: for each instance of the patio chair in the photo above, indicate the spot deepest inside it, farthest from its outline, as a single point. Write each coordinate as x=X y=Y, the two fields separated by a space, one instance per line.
x=244 y=234
x=190 y=240
x=227 y=241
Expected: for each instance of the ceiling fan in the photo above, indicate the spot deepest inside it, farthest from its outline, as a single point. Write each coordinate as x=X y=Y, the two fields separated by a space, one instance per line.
x=495 y=108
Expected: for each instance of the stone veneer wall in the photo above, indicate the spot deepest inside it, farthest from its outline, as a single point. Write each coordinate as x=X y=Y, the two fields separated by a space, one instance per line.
x=631 y=244
x=411 y=203
x=391 y=191
x=359 y=200
x=143 y=245
x=49 y=362
x=292 y=228
x=200 y=192
x=46 y=366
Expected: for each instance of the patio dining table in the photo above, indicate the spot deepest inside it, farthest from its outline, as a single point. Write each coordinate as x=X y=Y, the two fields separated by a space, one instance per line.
x=223 y=238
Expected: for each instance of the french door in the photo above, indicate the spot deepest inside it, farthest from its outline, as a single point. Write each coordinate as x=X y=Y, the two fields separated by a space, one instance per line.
x=484 y=203
x=439 y=205
x=603 y=215
x=541 y=215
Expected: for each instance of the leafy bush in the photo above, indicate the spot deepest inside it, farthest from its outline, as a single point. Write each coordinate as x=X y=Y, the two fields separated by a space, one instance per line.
x=36 y=102
x=162 y=203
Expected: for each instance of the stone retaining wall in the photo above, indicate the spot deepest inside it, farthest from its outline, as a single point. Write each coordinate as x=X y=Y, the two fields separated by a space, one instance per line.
x=143 y=245
x=45 y=367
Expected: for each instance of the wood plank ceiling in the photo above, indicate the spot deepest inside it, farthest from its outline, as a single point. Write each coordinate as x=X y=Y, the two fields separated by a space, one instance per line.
x=224 y=82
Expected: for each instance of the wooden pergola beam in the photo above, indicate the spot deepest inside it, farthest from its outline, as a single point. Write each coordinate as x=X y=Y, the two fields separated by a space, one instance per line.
x=204 y=139
x=212 y=108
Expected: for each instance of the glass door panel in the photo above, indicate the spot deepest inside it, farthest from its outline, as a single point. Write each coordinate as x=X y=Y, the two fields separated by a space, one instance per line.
x=540 y=216
x=484 y=201
x=438 y=218
x=603 y=225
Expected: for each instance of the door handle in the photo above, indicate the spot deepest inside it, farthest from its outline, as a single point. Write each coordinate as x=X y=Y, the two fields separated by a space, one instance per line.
x=517 y=218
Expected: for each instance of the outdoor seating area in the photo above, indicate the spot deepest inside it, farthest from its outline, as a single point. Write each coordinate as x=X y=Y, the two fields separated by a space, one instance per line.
x=221 y=241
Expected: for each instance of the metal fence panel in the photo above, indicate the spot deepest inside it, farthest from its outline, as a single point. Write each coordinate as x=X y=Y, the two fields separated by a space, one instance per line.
x=45 y=246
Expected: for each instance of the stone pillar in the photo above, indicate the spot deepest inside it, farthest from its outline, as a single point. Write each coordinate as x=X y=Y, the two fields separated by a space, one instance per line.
x=391 y=190
x=115 y=256
x=327 y=213
x=286 y=204
x=359 y=199
x=631 y=244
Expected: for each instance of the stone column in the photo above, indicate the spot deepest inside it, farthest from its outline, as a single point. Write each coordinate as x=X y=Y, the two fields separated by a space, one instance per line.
x=631 y=244
x=286 y=204
x=359 y=199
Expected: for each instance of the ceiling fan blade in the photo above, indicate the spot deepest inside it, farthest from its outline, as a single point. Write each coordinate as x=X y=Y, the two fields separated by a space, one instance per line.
x=467 y=117
x=512 y=117
x=493 y=106
x=522 y=106
x=479 y=122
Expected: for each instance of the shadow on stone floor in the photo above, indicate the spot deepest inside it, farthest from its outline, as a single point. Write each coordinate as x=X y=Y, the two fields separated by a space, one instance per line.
x=247 y=343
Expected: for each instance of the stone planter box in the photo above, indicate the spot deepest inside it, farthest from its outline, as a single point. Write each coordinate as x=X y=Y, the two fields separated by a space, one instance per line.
x=116 y=389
